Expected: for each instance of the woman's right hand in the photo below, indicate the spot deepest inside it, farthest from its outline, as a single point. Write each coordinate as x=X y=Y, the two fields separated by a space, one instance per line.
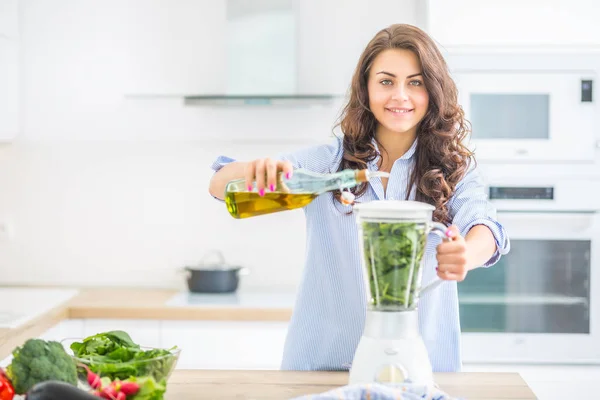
x=264 y=171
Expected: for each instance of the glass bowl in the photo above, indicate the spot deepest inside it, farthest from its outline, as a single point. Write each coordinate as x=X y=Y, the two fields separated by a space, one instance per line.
x=159 y=367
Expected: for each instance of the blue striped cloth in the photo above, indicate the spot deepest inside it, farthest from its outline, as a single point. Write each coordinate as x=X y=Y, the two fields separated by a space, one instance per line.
x=329 y=313
x=375 y=391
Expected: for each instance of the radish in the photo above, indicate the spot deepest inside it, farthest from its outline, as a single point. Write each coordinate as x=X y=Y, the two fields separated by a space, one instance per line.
x=109 y=393
x=129 y=388
x=92 y=378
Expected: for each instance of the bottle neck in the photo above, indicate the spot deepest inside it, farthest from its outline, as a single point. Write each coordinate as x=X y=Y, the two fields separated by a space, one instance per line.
x=340 y=180
x=303 y=181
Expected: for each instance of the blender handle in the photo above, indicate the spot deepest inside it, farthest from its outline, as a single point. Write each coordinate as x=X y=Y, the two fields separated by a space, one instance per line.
x=442 y=231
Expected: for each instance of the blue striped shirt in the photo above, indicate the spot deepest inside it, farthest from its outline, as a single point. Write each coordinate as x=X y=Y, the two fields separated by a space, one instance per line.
x=329 y=314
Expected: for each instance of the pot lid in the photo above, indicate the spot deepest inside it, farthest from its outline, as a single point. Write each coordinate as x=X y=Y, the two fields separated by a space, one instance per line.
x=213 y=260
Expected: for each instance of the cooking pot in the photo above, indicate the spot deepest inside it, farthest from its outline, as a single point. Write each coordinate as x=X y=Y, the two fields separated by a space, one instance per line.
x=215 y=276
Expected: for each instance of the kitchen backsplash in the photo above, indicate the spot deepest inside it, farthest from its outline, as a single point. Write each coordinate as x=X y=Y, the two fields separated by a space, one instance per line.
x=132 y=213
x=103 y=189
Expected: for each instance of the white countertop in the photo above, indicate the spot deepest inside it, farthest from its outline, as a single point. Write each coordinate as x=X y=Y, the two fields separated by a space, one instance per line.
x=19 y=305
x=241 y=299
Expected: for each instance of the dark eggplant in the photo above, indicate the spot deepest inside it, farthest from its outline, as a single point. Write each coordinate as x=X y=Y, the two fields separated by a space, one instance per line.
x=56 y=390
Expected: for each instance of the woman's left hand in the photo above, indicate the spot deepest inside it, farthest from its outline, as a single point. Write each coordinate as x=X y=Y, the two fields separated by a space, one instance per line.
x=452 y=257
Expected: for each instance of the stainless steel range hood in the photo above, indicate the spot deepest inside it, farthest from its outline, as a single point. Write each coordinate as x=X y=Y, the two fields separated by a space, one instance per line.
x=261 y=57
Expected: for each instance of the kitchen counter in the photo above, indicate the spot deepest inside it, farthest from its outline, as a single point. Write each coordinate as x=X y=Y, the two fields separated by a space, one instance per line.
x=271 y=385
x=256 y=384
x=177 y=305
x=163 y=304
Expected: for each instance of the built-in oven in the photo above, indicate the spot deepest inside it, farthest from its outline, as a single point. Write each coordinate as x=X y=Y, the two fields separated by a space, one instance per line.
x=540 y=302
x=531 y=109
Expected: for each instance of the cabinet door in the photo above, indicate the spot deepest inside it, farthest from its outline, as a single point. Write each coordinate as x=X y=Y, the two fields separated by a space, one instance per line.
x=9 y=19
x=175 y=47
x=143 y=332
x=226 y=344
x=9 y=89
x=68 y=328
x=331 y=38
x=514 y=22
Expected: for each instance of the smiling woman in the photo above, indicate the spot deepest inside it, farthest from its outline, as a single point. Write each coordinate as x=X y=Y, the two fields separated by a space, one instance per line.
x=402 y=117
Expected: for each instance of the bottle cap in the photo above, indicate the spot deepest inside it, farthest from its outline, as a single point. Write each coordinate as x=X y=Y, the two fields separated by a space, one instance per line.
x=361 y=176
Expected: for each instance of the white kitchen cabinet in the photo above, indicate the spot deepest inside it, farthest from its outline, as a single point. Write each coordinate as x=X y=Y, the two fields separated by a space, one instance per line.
x=68 y=328
x=9 y=89
x=226 y=344
x=204 y=344
x=514 y=23
x=178 y=48
x=9 y=19
x=331 y=38
x=145 y=332
x=175 y=47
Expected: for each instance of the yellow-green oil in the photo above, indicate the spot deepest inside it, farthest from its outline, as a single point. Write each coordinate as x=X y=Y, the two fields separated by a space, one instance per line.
x=250 y=204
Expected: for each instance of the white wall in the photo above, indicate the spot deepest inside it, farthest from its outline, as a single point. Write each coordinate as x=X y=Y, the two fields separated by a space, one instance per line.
x=123 y=213
x=100 y=189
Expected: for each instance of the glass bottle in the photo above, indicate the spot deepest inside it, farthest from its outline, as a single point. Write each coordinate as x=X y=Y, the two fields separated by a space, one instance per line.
x=298 y=191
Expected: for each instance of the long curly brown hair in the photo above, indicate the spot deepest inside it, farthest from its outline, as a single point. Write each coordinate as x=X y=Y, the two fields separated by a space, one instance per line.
x=441 y=158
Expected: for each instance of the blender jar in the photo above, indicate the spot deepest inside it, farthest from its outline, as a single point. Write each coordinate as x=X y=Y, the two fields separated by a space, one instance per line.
x=392 y=240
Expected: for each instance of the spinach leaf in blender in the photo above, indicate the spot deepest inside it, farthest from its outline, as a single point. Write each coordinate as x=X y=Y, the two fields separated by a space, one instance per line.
x=393 y=254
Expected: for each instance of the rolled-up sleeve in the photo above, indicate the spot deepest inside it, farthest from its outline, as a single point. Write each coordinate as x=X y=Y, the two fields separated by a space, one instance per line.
x=217 y=164
x=470 y=206
x=220 y=162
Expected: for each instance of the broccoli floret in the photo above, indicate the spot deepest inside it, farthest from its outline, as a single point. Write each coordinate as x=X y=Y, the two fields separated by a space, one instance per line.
x=38 y=361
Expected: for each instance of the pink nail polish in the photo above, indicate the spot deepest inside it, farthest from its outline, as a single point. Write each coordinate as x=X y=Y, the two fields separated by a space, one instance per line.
x=272 y=187
x=437 y=269
x=249 y=188
x=261 y=192
x=449 y=232
x=288 y=175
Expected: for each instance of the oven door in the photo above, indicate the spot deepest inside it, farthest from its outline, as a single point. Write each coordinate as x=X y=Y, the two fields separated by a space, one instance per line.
x=530 y=116
x=538 y=303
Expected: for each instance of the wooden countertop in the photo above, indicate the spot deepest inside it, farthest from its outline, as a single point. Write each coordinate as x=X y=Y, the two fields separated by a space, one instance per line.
x=271 y=385
x=151 y=304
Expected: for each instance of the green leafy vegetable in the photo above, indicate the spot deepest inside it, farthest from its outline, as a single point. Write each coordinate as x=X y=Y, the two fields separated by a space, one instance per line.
x=38 y=361
x=149 y=388
x=115 y=355
x=146 y=387
x=393 y=254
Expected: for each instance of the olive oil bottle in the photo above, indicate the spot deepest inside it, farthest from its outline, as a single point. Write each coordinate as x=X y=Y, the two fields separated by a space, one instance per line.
x=298 y=191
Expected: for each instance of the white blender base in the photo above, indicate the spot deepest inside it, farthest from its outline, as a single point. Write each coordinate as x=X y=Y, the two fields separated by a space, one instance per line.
x=391 y=361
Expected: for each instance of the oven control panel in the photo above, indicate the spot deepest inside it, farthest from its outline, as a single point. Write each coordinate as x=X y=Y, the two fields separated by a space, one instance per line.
x=521 y=193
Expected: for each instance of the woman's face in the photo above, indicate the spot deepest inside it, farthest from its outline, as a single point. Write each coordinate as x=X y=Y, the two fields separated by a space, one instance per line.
x=397 y=95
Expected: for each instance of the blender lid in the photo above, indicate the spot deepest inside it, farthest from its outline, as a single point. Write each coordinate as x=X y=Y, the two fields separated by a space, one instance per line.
x=405 y=209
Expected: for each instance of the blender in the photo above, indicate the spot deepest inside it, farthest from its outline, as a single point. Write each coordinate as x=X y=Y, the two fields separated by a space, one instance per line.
x=392 y=240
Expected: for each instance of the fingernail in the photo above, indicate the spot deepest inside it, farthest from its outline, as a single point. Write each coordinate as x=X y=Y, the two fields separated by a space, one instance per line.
x=449 y=232
x=288 y=175
x=437 y=269
x=272 y=187
x=249 y=188
x=261 y=192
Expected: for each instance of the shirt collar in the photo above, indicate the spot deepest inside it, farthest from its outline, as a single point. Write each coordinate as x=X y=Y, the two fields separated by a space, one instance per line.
x=406 y=156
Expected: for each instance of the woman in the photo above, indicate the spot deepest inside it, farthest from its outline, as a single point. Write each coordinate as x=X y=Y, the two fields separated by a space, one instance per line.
x=402 y=117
